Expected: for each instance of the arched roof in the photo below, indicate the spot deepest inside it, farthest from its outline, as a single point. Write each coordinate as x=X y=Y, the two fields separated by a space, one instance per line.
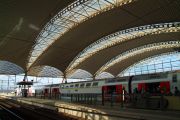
x=21 y=22
x=60 y=33
x=80 y=74
x=70 y=44
x=101 y=57
x=69 y=17
x=124 y=60
x=7 y=67
x=45 y=71
x=104 y=75
x=158 y=63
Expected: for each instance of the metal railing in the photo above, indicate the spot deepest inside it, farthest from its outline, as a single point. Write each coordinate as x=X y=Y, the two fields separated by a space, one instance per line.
x=145 y=100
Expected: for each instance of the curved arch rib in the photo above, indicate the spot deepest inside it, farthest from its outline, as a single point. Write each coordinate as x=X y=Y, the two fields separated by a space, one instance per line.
x=66 y=19
x=136 y=51
x=120 y=37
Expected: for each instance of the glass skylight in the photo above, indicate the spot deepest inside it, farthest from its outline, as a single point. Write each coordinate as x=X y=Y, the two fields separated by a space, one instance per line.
x=66 y=19
x=104 y=75
x=122 y=36
x=160 y=63
x=139 y=50
x=10 y=68
x=45 y=71
x=80 y=74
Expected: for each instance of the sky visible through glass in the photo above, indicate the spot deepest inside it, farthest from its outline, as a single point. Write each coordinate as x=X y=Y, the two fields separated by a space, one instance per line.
x=163 y=63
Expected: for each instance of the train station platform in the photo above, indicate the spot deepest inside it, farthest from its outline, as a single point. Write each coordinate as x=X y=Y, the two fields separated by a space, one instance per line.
x=98 y=112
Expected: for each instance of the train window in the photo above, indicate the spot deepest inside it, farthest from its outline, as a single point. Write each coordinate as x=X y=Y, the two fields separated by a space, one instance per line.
x=62 y=86
x=95 y=84
x=82 y=85
x=88 y=84
x=71 y=86
x=76 y=85
x=67 y=86
x=174 y=78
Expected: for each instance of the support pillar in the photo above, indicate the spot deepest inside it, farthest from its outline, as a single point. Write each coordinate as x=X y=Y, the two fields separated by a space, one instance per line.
x=64 y=80
x=24 y=90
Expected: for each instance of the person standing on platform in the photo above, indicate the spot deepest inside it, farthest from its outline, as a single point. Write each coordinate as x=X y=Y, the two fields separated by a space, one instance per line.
x=176 y=91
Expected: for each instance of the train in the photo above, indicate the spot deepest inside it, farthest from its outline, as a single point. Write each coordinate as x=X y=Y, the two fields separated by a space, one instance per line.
x=154 y=84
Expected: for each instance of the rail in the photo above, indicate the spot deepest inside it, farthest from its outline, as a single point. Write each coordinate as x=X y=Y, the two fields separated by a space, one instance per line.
x=12 y=114
x=14 y=110
x=145 y=100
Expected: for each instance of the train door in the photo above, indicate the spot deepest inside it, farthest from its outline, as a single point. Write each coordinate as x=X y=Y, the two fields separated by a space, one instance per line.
x=142 y=87
x=119 y=92
x=104 y=93
x=165 y=87
x=46 y=91
x=153 y=88
x=107 y=91
x=119 y=89
x=55 y=92
x=114 y=90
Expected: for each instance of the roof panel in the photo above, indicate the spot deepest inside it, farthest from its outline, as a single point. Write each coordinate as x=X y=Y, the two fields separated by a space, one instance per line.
x=45 y=71
x=138 y=51
x=80 y=74
x=21 y=22
x=122 y=36
x=104 y=75
x=66 y=15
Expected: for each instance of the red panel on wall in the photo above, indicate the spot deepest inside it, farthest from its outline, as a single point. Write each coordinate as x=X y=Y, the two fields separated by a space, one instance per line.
x=165 y=87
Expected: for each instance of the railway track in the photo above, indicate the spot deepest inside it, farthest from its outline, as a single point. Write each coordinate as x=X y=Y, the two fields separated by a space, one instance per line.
x=7 y=114
x=21 y=111
x=12 y=110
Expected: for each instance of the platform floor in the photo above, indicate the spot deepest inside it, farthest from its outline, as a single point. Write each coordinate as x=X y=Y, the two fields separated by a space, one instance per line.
x=116 y=111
